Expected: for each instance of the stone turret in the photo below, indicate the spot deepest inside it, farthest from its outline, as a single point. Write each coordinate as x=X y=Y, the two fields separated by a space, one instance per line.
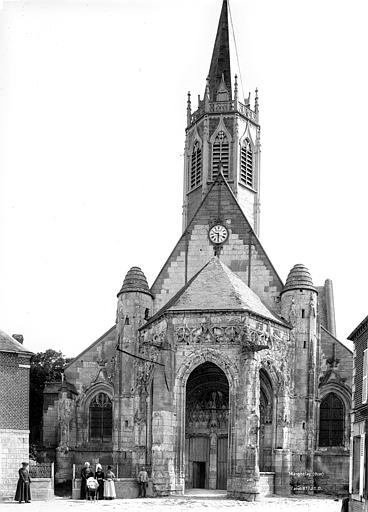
x=135 y=303
x=299 y=307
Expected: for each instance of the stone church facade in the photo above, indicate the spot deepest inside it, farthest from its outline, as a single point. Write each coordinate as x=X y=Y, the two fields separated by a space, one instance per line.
x=219 y=375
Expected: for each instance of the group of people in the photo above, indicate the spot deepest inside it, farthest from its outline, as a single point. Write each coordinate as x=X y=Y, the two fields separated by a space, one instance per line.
x=97 y=485
x=93 y=485
x=100 y=486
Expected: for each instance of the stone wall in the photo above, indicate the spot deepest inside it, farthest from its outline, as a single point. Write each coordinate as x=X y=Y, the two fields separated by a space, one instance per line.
x=194 y=250
x=331 y=468
x=14 y=449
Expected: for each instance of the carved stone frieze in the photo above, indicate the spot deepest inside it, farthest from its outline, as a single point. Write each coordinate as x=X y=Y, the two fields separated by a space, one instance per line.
x=258 y=336
x=208 y=412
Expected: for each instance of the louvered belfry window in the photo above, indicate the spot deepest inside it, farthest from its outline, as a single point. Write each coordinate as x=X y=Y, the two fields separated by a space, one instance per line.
x=196 y=166
x=100 y=418
x=246 y=163
x=220 y=152
x=331 y=421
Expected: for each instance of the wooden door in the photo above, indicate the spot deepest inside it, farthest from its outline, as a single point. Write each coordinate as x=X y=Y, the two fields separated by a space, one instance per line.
x=222 y=463
x=199 y=475
x=199 y=450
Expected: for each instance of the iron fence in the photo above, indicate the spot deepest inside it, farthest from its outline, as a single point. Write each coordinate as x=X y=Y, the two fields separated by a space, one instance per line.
x=41 y=470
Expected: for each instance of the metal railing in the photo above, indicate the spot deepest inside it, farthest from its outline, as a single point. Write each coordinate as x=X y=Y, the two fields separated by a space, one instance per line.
x=42 y=470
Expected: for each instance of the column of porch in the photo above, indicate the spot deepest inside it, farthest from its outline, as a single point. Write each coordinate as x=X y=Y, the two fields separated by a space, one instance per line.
x=243 y=481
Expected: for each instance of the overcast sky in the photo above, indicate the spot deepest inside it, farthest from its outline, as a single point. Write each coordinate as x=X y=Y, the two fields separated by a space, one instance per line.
x=93 y=112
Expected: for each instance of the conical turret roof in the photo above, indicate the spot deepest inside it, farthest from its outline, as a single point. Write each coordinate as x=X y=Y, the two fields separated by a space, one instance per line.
x=135 y=281
x=299 y=278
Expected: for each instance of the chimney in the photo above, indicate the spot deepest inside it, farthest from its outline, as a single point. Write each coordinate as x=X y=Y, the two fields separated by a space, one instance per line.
x=19 y=338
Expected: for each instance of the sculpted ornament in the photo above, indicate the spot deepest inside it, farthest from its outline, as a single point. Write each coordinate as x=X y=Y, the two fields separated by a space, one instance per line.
x=65 y=409
x=250 y=339
x=312 y=305
x=144 y=369
x=292 y=312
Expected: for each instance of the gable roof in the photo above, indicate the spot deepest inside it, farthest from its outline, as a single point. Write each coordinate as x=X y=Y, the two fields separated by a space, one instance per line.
x=101 y=338
x=243 y=228
x=215 y=287
x=334 y=339
x=10 y=345
x=355 y=331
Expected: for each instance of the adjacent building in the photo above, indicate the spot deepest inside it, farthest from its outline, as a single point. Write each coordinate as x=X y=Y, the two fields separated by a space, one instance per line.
x=358 y=464
x=14 y=410
x=219 y=375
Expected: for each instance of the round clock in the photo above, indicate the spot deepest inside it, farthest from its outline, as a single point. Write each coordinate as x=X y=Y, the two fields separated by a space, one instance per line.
x=218 y=234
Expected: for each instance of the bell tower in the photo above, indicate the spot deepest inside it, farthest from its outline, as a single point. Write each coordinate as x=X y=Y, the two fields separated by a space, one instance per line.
x=223 y=134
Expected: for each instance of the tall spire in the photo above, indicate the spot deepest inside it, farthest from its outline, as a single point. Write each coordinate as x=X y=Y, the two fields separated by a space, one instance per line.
x=220 y=62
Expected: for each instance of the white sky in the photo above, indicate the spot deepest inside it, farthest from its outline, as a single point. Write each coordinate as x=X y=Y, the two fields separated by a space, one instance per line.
x=93 y=112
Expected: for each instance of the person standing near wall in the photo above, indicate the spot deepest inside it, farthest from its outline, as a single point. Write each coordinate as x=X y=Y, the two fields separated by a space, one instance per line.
x=100 y=476
x=23 y=492
x=85 y=474
x=110 y=493
x=143 y=482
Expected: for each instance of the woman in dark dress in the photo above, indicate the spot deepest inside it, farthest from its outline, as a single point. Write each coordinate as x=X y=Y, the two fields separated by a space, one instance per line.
x=85 y=473
x=23 y=492
x=100 y=475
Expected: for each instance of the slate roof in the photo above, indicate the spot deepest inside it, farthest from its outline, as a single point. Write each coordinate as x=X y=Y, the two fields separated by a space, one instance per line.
x=216 y=287
x=10 y=345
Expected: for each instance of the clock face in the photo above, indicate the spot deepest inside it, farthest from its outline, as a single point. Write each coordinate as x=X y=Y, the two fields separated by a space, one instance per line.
x=218 y=234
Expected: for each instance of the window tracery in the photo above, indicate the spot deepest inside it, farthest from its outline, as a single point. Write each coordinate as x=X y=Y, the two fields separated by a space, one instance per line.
x=100 y=418
x=331 y=421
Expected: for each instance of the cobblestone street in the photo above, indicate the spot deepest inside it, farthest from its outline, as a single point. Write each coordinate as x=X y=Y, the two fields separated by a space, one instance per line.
x=181 y=504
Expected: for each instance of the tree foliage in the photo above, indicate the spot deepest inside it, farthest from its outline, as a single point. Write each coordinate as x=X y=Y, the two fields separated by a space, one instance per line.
x=45 y=367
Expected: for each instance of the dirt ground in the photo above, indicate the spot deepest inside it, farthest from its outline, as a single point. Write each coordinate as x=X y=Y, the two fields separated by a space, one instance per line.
x=180 y=504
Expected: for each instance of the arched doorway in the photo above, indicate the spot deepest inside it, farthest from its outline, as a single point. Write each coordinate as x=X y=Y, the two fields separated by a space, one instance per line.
x=206 y=427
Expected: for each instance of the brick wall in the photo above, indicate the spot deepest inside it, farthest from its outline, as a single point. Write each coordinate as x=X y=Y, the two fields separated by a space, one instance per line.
x=14 y=391
x=360 y=346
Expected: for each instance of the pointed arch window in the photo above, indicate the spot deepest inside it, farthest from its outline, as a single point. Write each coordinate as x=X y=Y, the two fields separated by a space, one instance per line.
x=331 y=421
x=220 y=153
x=100 y=418
x=195 y=166
x=246 y=163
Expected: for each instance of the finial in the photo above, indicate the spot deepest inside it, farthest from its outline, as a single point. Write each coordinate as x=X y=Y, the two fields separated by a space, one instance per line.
x=189 y=110
x=256 y=105
x=207 y=92
x=236 y=88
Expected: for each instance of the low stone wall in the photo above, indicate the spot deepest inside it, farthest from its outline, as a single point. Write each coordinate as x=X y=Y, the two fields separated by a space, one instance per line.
x=266 y=484
x=42 y=489
x=331 y=468
x=124 y=487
